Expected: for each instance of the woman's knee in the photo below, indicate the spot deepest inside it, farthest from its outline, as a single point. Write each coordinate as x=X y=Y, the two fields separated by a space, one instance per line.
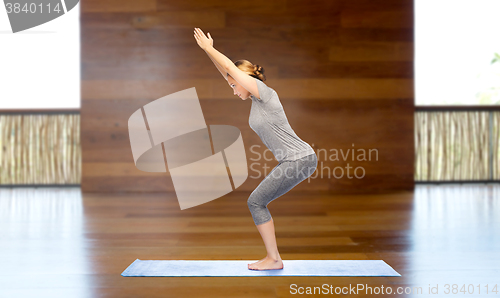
x=253 y=201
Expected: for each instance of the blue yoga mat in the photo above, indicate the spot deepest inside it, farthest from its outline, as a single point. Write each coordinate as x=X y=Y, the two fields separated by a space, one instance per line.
x=240 y=268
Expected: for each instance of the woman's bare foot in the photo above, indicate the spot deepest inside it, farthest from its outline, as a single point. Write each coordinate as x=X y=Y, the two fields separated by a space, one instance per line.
x=266 y=263
x=259 y=261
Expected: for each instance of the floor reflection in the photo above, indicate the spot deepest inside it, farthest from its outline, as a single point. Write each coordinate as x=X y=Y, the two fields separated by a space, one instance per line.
x=455 y=236
x=42 y=243
x=47 y=249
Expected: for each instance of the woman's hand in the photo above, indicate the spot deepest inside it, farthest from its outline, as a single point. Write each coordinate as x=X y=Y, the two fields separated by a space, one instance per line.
x=202 y=40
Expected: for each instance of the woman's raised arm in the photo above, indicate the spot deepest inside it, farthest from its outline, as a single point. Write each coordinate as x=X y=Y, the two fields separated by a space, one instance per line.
x=204 y=41
x=221 y=70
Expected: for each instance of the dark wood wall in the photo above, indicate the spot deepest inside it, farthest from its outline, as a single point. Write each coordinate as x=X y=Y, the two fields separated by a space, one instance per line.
x=343 y=70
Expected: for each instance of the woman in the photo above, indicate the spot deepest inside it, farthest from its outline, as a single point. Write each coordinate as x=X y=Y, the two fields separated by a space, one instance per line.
x=297 y=160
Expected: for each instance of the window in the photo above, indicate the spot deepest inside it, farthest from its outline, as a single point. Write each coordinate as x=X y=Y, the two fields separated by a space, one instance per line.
x=40 y=66
x=456 y=42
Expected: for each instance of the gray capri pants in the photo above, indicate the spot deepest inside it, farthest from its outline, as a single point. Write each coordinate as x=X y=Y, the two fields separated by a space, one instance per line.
x=285 y=176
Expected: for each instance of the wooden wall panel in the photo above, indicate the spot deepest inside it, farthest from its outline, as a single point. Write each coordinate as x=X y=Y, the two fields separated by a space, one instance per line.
x=117 y=6
x=343 y=70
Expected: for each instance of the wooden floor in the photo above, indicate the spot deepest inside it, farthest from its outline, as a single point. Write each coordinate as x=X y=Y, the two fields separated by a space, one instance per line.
x=58 y=242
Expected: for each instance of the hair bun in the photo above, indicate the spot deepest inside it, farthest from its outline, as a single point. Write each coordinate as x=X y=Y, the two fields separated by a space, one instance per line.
x=253 y=70
x=259 y=68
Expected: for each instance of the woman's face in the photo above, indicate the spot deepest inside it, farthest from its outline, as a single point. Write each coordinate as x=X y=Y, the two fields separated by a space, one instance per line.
x=237 y=89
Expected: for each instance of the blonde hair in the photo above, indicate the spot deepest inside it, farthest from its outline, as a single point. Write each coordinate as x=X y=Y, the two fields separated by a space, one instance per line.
x=253 y=70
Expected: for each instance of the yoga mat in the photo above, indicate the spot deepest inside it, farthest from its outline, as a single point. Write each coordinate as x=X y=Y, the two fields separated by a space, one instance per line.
x=240 y=268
